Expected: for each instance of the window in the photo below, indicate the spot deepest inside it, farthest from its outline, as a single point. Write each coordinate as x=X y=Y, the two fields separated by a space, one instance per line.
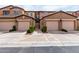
x=30 y=13
x=5 y=12
x=17 y=12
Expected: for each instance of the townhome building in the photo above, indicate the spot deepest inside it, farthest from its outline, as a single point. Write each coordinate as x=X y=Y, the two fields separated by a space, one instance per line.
x=54 y=20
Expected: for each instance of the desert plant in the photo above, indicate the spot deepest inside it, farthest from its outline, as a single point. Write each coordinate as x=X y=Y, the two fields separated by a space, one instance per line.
x=44 y=29
x=64 y=30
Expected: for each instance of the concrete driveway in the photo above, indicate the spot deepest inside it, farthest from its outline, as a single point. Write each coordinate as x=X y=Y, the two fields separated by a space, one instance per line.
x=52 y=42
x=19 y=39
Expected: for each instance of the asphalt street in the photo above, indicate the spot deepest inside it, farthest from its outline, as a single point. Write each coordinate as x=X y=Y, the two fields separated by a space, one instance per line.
x=47 y=49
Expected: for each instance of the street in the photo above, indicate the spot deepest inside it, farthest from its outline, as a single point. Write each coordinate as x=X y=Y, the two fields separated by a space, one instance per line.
x=47 y=49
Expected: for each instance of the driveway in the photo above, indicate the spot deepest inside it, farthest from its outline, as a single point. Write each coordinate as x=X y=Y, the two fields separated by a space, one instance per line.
x=20 y=39
x=39 y=42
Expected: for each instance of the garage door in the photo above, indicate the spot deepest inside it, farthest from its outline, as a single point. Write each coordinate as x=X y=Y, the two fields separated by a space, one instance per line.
x=69 y=25
x=23 y=26
x=6 y=26
x=52 y=25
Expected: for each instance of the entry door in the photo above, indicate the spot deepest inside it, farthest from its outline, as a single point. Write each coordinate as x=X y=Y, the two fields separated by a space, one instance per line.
x=37 y=25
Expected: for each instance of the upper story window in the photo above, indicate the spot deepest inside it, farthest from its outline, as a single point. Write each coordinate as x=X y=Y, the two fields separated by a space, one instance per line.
x=17 y=12
x=5 y=12
x=30 y=14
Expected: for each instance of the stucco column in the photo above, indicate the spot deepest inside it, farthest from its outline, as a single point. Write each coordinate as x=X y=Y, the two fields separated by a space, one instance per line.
x=60 y=24
x=16 y=24
x=75 y=24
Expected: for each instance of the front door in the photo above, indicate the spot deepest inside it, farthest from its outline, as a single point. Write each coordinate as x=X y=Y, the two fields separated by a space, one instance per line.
x=37 y=23
x=37 y=26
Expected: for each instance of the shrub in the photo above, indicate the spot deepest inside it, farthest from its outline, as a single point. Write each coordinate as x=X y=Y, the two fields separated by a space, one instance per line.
x=64 y=30
x=28 y=31
x=13 y=29
x=10 y=30
x=31 y=29
x=44 y=29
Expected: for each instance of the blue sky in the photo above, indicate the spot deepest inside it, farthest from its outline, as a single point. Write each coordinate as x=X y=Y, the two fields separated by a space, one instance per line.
x=48 y=7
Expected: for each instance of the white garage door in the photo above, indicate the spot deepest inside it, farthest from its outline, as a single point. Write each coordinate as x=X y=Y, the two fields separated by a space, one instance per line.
x=52 y=25
x=68 y=25
x=6 y=26
x=23 y=26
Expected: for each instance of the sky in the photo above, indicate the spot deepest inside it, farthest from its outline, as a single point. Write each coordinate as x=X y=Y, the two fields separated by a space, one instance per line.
x=43 y=5
x=48 y=7
x=51 y=7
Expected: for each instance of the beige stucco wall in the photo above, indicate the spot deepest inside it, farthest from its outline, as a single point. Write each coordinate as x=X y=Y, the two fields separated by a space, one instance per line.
x=60 y=15
x=42 y=23
x=78 y=24
x=67 y=21
x=11 y=9
x=6 y=19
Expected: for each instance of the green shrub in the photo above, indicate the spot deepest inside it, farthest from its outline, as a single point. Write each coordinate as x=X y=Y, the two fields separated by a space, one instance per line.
x=44 y=29
x=13 y=29
x=31 y=29
x=28 y=31
x=64 y=30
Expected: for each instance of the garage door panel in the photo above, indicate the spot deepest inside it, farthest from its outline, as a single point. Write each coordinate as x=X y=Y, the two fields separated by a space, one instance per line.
x=52 y=25
x=23 y=26
x=69 y=25
x=6 y=25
